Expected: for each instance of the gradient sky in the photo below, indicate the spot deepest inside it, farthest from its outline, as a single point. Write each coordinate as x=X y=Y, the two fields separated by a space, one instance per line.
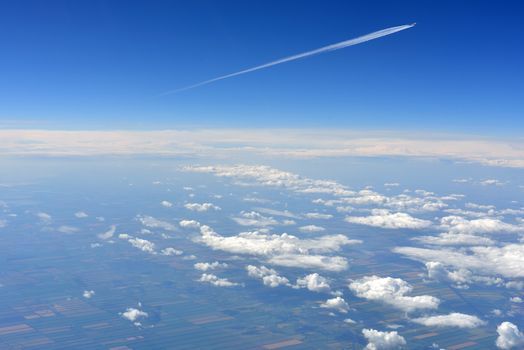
x=103 y=64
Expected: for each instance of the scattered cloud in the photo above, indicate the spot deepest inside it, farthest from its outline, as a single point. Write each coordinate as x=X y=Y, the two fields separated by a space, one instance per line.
x=461 y=277
x=462 y=180
x=320 y=216
x=275 y=212
x=81 y=214
x=268 y=176
x=189 y=224
x=422 y=202
x=108 y=234
x=479 y=206
x=152 y=222
x=497 y=312
x=67 y=229
x=455 y=239
x=364 y=197
x=327 y=263
x=252 y=218
x=492 y=182
x=166 y=204
x=143 y=244
x=311 y=229
x=169 y=251
x=44 y=217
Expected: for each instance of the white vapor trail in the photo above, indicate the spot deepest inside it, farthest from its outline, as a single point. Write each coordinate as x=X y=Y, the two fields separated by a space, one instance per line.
x=333 y=47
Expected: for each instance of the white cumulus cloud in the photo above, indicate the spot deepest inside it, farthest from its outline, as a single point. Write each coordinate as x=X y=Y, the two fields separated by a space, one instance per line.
x=378 y=340
x=314 y=282
x=143 y=244
x=392 y=291
x=458 y=224
x=337 y=303
x=455 y=239
x=189 y=224
x=284 y=249
x=88 y=294
x=385 y=219
x=166 y=204
x=201 y=207
x=454 y=319
x=171 y=251
x=133 y=314
x=252 y=218
x=318 y=216
x=44 y=217
x=506 y=260
x=108 y=234
x=67 y=229
x=311 y=228
x=323 y=262
x=216 y=281
x=205 y=266
x=268 y=276
x=509 y=336
x=152 y=222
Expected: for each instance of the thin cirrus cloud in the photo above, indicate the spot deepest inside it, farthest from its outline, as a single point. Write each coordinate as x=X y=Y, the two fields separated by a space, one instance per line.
x=333 y=47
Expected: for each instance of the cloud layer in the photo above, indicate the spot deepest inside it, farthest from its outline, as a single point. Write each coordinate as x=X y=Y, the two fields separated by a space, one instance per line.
x=300 y=143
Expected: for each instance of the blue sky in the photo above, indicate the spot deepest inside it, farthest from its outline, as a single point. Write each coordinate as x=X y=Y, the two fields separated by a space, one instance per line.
x=103 y=64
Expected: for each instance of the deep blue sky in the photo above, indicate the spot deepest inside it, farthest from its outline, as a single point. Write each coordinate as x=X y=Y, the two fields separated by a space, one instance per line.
x=101 y=65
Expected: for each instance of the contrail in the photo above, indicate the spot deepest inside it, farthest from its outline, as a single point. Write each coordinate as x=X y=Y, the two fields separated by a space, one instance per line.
x=333 y=47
